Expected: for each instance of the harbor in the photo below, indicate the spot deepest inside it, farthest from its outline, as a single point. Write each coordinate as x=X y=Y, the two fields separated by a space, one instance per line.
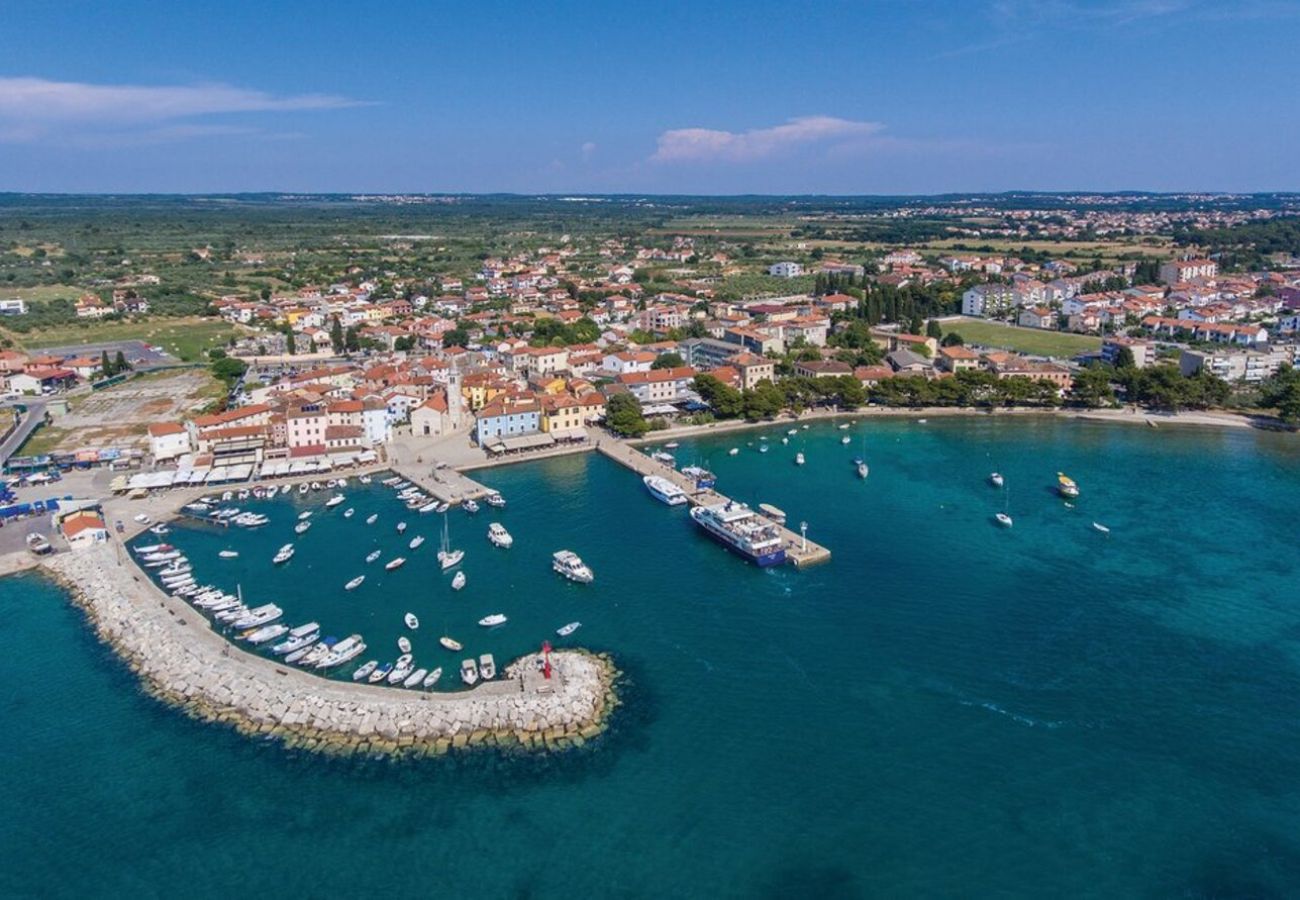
x=799 y=551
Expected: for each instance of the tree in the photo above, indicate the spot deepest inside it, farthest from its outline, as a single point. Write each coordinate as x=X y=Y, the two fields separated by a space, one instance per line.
x=623 y=416
x=953 y=339
x=725 y=401
x=457 y=337
x=229 y=370
x=933 y=330
x=336 y=335
x=105 y=367
x=764 y=401
x=1092 y=387
x=1282 y=391
x=120 y=364
x=351 y=340
x=290 y=344
x=1125 y=359
x=668 y=360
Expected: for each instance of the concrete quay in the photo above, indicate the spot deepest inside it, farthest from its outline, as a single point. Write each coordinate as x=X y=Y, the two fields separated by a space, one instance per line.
x=798 y=551
x=180 y=660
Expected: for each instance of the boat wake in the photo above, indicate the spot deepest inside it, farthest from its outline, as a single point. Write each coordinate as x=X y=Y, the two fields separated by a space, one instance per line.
x=1013 y=716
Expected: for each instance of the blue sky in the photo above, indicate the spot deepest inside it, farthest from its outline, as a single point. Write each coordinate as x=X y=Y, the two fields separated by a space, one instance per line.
x=876 y=96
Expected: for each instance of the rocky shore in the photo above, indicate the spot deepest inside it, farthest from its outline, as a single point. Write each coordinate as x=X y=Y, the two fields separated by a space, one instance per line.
x=181 y=661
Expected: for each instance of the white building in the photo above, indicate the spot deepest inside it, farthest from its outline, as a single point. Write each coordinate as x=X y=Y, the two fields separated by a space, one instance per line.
x=988 y=300
x=785 y=270
x=168 y=440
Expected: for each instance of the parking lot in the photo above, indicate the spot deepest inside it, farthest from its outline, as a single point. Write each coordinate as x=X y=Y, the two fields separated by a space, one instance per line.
x=137 y=353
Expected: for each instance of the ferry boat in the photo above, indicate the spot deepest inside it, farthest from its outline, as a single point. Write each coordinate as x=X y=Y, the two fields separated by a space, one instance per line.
x=664 y=490
x=742 y=531
x=487 y=666
x=493 y=620
x=1065 y=486
x=469 y=672
x=499 y=537
x=571 y=566
x=703 y=478
x=566 y=630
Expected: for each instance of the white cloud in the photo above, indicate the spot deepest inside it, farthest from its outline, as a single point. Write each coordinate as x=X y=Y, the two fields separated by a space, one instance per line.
x=33 y=108
x=710 y=145
x=588 y=150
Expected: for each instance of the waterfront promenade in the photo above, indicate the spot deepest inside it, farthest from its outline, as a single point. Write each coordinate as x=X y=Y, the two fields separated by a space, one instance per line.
x=798 y=551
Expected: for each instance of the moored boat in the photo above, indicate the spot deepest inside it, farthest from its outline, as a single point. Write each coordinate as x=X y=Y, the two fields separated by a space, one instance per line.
x=1003 y=519
x=379 y=674
x=493 y=620
x=363 y=671
x=664 y=490
x=458 y=581
x=499 y=537
x=395 y=563
x=450 y=643
x=487 y=666
x=432 y=678
x=354 y=583
x=1065 y=486
x=404 y=644
x=411 y=621
x=1100 y=527
x=566 y=630
x=702 y=478
x=997 y=480
x=415 y=679
x=416 y=541
x=742 y=531
x=469 y=672
x=571 y=566
x=372 y=518
x=495 y=499
x=373 y=555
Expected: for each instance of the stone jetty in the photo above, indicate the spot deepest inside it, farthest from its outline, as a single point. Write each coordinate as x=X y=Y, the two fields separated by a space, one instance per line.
x=181 y=661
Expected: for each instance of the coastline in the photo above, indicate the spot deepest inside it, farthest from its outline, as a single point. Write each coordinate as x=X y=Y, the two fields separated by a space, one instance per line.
x=182 y=662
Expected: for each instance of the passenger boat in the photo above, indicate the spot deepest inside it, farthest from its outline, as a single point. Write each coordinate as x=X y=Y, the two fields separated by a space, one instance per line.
x=742 y=531
x=450 y=643
x=469 y=672
x=499 y=537
x=372 y=518
x=364 y=670
x=997 y=480
x=487 y=666
x=664 y=490
x=495 y=499
x=1065 y=486
x=566 y=630
x=354 y=583
x=380 y=673
x=415 y=679
x=229 y=554
x=775 y=513
x=571 y=566
x=373 y=555
x=345 y=650
x=395 y=563
x=301 y=527
x=334 y=501
x=798 y=458
x=411 y=621
x=700 y=476
x=458 y=582
x=432 y=678
x=416 y=541
x=404 y=644
x=284 y=554
x=267 y=633
x=470 y=506
x=493 y=620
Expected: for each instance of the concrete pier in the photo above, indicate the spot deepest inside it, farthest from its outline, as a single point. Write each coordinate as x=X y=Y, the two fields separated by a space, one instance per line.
x=445 y=484
x=798 y=552
x=179 y=659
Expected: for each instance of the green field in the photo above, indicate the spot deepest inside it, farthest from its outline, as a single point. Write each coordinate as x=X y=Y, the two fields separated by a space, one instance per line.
x=186 y=339
x=1023 y=340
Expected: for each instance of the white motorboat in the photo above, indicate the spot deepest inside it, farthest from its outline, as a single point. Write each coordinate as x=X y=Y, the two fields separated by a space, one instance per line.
x=372 y=518
x=399 y=674
x=411 y=621
x=301 y=527
x=380 y=674
x=365 y=479
x=499 y=537
x=261 y=615
x=997 y=480
x=450 y=643
x=427 y=507
x=487 y=666
x=404 y=644
x=416 y=541
x=469 y=672
x=571 y=566
x=862 y=469
x=845 y=440
x=284 y=489
x=1066 y=486
x=666 y=458
x=395 y=563
x=493 y=620
x=844 y=426
x=363 y=672
x=495 y=499
x=471 y=506
x=304 y=515
x=798 y=459
x=792 y=432
x=432 y=678
x=671 y=445
x=159 y=529
x=284 y=554
x=458 y=582
x=762 y=448
x=354 y=583
x=566 y=630
x=734 y=451
x=267 y=633
x=142 y=518
x=302 y=489
x=229 y=554
x=401 y=526
x=307 y=655
x=344 y=651
x=415 y=679
x=1100 y=527
x=373 y=555
x=334 y=501
x=291 y=644
x=1003 y=519
x=347 y=513
x=664 y=490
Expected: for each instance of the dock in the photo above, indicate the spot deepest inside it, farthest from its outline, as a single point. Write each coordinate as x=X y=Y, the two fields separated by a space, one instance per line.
x=798 y=551
x=446 y=485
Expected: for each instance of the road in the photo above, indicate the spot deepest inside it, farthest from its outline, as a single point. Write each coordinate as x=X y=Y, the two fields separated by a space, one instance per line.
x=34 y=416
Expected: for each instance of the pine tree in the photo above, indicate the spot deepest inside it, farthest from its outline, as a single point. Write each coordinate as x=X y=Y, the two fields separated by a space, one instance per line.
x=105 y=366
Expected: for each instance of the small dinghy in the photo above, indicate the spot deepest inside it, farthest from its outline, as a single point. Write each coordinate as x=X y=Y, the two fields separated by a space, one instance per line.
x=1100 y=527
x=458 y=582
x=364 y=671
x=380 y=674
x=354 y=583
x=401 y=526
x=411 y=621
x=372 y=518
x=404 y=644
x=373 y=555
x=432 y=678
x=416 y=541
x=415 y=679
x=229 y=554
x=395 y=563
x=569 y=629
x=304 y=516
x=347 y=513
x=734 y=451
x=996 y=479
x=1004 y=520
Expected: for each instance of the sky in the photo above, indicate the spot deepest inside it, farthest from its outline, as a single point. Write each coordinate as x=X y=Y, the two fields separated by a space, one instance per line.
x=867 y=97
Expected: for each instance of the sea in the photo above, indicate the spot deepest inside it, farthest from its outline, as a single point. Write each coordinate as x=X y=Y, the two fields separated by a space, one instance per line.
x=947 y=708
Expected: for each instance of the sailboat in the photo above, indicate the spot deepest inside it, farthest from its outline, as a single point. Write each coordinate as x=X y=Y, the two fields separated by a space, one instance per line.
x=1003 y=518
x=447 y=557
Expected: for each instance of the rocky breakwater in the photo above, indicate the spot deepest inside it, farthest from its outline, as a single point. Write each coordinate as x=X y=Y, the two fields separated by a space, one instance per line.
x=181 y=661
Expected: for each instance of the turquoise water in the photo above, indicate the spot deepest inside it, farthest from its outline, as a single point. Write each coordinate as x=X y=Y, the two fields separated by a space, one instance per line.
x=946 y=709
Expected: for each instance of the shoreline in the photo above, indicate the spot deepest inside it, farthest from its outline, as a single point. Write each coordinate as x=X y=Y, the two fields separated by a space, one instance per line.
x=182 y=662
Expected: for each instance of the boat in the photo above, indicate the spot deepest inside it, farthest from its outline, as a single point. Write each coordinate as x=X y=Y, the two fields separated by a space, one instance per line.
x=347 y=513
x=566 y=630
x=458 y=581
x=997 y=480
x=845 y=440
x=1100 y=527
x=304 y=516
x=404 y=644
x=487 y=666
x=664 y=490
x=571 y=566
x=493 y=620
x=345 y=650
x=432 y=678
x=1003 y=519
x=159 y=529
x=302 y=488
x=365 y=479
x=301 y=527
x=416 y=541
x=284 y=489
x=400 y=672
x=742 y=531
x=844 y=426
x=447 y=557
x=284 y=554
x=229 y=554
x=300 y=636
x=354 y=583
x=470 y=506
x=792 y=432
x=411 y=621
x=427 y=507
x=267 y=612
x=734 y=451
x=380 y=673
x=469 y=672
x=372 y=518
x=395 y=563
x=671 y=445
x=373 y=555
x=499 y=537
x=495 y=499
x=267 y=633
x=1065 y=486
x=798 y=458
x=415 y=679
x=762 y=448
x=666 y=458
x=362 y=673
x=306 y=655
x=702 y=477
x=403 y=661
x=334 y=501
x=450 y=643
x=862 y=469
x=401 y=526
x=775 y=513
